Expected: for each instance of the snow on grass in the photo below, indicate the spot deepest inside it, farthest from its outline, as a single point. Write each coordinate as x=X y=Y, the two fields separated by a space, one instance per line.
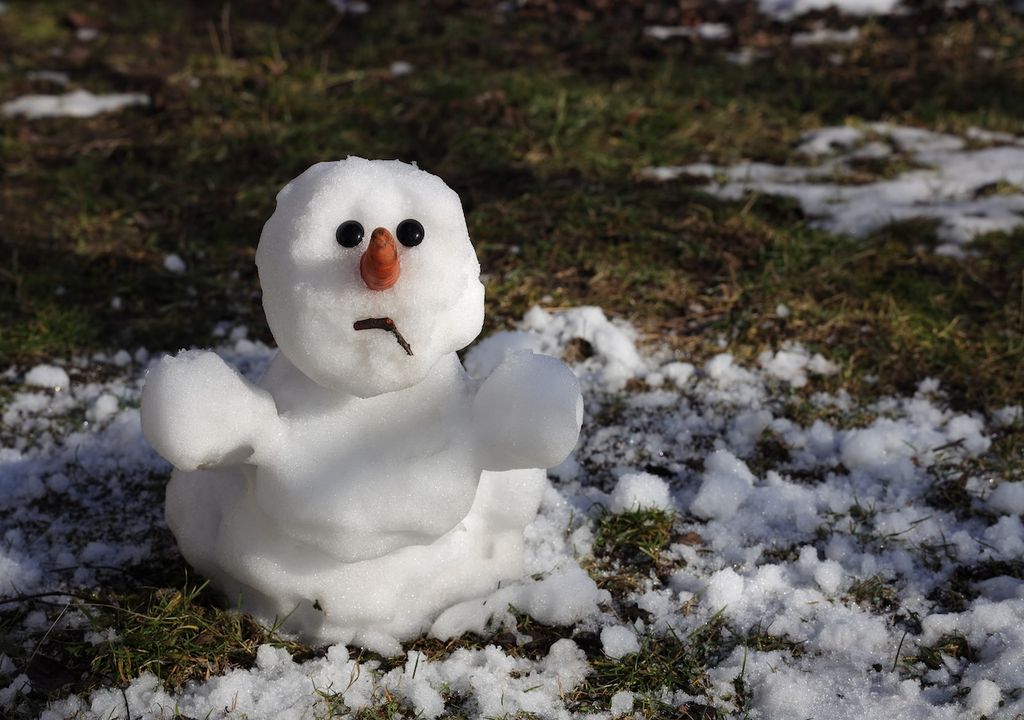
x=79 y=104
x=787 y=9
x=737 y=557
x=51 y=76
x=702 y=31
x=967 y=191
x=826 y=36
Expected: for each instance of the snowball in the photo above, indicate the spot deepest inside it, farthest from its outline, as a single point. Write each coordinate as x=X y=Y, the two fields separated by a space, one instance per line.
x=104 y=408
x=968 y=430
x=877 y=452
x=173 y=263
x=48 y=376
x=678 y=372
x=726 y=483
x=829 y=576
x=562 y=598
x=1009 y=415
x=622 y=703
x=641 y=491
x=618 y=641
x=984 y=697
x=1008 y=498
x=400 y=68
x=793 y=362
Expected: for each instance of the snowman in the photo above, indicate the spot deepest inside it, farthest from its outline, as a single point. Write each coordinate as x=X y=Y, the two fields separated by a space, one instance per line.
x=365 y=483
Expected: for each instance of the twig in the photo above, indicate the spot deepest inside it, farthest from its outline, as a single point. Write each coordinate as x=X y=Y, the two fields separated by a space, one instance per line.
x=900 y=647
x=127 y=710
x=384 y=323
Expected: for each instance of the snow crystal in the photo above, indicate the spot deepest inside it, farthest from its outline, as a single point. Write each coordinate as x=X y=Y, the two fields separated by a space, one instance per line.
x=80 y=103
x=641 y=491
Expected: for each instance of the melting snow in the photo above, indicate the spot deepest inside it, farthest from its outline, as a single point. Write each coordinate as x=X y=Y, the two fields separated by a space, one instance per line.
x=779 y=545
x=786 y=9
x=826 y=36
x=968 y=191
x=704 y=31
x=80 y=104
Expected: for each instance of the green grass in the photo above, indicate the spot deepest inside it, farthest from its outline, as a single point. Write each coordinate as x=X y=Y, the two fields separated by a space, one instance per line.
x=177 y=634
x=665 y=661
x=635 y=536
x=541 y=121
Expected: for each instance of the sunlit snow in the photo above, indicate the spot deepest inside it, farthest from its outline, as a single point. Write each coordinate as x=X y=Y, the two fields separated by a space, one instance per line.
x=849 y=503
x=968 y=191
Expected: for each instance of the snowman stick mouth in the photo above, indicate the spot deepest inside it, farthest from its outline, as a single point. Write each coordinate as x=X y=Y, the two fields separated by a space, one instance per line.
x=383 y=323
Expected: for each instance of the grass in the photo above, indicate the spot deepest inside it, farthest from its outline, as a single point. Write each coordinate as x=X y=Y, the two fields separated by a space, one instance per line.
x=665 y=661
x=110 y=638
x=931 y=656
x=635 y=536
x=541 y=121
x=875 y=593
x=541 y=124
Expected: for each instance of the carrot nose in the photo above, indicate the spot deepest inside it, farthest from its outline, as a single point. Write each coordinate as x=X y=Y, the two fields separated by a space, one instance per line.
x=379 y=264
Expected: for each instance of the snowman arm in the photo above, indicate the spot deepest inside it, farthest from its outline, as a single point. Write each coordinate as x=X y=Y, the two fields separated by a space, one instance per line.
x=527 y=413
x=199 y=412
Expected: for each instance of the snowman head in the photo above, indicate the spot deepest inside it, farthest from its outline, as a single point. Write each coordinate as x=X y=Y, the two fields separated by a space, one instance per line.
x=368 y=275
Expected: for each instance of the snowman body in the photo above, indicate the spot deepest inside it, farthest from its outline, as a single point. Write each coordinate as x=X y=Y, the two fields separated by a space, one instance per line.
x=365 y=483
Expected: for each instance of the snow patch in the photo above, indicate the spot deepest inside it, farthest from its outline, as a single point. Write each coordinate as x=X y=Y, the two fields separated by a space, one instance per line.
x=78 y=104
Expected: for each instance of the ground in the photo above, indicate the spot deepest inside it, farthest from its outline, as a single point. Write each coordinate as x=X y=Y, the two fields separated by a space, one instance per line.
x=136 y=230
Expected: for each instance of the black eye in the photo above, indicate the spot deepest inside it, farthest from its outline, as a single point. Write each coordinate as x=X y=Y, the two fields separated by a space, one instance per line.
x=349 y=233
x=410 y=233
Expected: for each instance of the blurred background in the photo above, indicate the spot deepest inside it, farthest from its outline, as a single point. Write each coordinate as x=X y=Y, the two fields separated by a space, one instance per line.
x=582 y=136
